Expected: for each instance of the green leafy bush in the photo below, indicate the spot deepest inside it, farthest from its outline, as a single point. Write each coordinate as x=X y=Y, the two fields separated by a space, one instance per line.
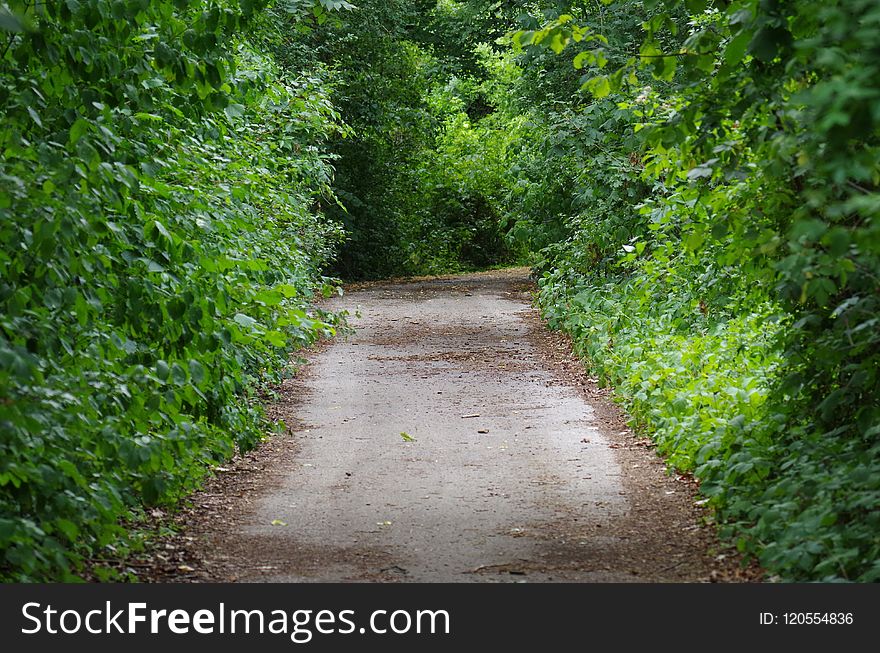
x=157 y=180
x=730 y=293
x=419 y=175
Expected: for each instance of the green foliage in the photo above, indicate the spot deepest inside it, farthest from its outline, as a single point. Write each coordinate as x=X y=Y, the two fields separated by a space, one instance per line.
x=463 y=178
x=158 y=180
x=696 y=184
x=699 y=383
x=732 y=297
x=408 y=81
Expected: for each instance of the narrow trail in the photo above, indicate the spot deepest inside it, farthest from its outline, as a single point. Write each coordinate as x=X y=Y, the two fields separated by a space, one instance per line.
x=514 y=466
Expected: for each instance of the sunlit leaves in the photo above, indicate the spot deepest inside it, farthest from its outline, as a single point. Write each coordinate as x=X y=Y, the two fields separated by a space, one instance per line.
x=759 y=137
x=598 y=86
x=590 y=58
x=556 y=35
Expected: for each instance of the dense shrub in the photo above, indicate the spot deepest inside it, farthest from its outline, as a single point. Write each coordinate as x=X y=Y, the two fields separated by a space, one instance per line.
x=724 y=272
x=418 y=176
x=158 y=255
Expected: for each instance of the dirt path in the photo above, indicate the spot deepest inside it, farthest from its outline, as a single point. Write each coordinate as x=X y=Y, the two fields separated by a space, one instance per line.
x=514 y=467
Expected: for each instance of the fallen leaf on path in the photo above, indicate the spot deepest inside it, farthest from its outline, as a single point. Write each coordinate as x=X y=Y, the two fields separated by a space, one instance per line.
x=407 y=437
x=278 y=522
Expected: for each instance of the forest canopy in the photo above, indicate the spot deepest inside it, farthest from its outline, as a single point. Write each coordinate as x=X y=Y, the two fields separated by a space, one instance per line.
x=694 y=183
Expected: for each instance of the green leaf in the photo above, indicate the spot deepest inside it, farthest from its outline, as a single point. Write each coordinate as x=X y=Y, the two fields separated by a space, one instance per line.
x=735 y=50
x=196 y=371
x=178 y=374
x=599 y=86
x=234 y=110
x=558 y=42
x=583 y=57
x=287 y=290
x=694 y=240
x=664 y=67
x=244 y=320
x=276 y=338
x=79 y=127
x=35 y=116
x=70 y=530
x=700 y=172
x=150 y=117
x=162 y=230
x=269 y=297
x=9 y=22
x=767 y=41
